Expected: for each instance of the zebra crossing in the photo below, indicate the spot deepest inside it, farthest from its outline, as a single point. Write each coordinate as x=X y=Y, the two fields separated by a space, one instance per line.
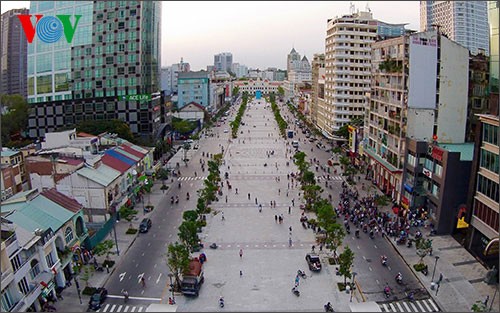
x=325 y=177
x=186 y=178
x=426 y=305
x=121 y=308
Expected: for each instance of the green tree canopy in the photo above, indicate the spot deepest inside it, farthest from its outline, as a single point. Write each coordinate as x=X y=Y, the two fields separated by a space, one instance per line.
x=96 y=127
x=177 y=260
x=188 y=234
x=346 y=259
x=104 y=248
x=15 y=120
x=183 y=126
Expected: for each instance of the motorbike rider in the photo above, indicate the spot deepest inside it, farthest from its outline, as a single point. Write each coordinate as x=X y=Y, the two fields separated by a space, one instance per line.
x=387 y=290
x=180 y=185
x=125 y=295
x=383 y=259
x=357 y=233
x=187 y=195
x=172 y=199
x=399 y=277
x=328 y=307
x=176 y=199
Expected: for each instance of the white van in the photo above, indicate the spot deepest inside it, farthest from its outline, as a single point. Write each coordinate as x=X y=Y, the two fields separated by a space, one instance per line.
x=295 y=144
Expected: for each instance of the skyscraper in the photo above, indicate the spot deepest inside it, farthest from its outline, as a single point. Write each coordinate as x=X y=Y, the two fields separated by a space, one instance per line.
x=115 y=54
x=223 y=61
x=465 y=22
x=13 y=53
x=347 y=64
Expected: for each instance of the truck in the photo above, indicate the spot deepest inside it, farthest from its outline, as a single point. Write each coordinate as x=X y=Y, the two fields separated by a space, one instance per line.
x=192 y=278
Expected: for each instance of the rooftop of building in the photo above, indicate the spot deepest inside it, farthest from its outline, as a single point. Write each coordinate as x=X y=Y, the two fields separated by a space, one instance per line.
x=466 y=150
x=198 y=74
x=6 y=152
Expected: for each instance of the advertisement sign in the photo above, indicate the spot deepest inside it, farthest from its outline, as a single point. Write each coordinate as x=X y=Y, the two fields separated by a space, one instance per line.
x=437 y=154
x=48 y=29
x=427 y=173
x=352 y=138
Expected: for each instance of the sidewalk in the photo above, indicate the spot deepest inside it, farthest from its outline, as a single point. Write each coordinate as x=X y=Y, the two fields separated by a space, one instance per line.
x=70 y=301
x=463 y=275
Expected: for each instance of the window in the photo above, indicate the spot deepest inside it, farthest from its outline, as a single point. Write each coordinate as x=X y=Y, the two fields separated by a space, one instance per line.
x=489 y=161
x=7 y=301
x=89 y=107
x=98 y=84
x=435 y=190
x=23 y=286
x=35 y=268
x=487 y=187
x=16 y=262
x=411 y=160
x=490 y=134
x=428 y=164
x=97 y=73
x=438 y=170
x=121 y=25
x=109 y=60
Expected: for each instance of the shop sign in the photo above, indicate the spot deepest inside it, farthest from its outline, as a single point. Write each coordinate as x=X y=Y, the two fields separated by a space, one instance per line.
x=405 y=203
x=408 y=188
x=492 y=247
x=48 y=288
x=437 y=154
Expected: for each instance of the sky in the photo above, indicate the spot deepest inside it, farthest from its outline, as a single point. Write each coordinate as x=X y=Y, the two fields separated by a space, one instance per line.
x=259 y=34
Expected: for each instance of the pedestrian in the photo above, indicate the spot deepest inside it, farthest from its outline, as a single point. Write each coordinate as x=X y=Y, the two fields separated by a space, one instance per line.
x=236 y=190
x=241 y=273
x=290 y=241
x=276 y=218
x=279 y=191
x=290 y=228
x=293 y=202
x=248 y=196
x=321 y=247
x=312 y=248
x=143 y=282
x=222 y=216
x=289 y=210
x=241 y=253
x=256 y=200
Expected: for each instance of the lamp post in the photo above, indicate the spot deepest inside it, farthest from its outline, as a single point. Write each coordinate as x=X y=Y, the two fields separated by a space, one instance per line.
x=434 y=271
x=78 y=289
x=170 y=275
x=352 y=282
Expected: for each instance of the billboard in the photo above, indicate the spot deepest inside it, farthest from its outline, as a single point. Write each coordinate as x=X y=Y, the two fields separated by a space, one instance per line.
x=423 y=70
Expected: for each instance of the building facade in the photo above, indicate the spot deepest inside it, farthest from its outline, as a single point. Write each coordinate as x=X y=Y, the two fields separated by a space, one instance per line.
x=483 y=202
x=223 y=61
x=465 y=22
x=252 y=86
x=13 y=53
x=348 y=71
x=193 y=87
x=170 y=75
x=478 y=92
x=407 y=100
x=101 y=73
x=317 y=85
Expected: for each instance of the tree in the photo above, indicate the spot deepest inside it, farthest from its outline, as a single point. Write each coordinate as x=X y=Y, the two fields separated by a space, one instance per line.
x=236 y=90
x=346 y=259
x=177 y=260
x=325 y=213
x=86 y=272
x=128 y=214
x=188 y=234
x=281 y=91
x=334 y=236
x=104 y=248
x=479 y=306
x=190 y=215
x=96 y=127
x=311 y=195
x=182 y=126
x=15 y=120
x=424 y=247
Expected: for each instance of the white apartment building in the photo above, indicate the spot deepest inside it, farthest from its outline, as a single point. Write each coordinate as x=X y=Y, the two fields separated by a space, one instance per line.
x=347 y=68
x=239 y=70
x=223 y=61
x=408 y=100
x=170 y=74
x=465 y=22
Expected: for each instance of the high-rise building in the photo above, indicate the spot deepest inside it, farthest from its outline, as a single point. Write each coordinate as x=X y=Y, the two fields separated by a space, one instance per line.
x=193 y=87
x=348 y=71
x=111 y=69
x=292 y=60
x=170 y=75
x=465 y=22
x=494 y=21
x=483 y=200
x=318 y=85
x=13 y=53
x=223 y=61
x=408 y=100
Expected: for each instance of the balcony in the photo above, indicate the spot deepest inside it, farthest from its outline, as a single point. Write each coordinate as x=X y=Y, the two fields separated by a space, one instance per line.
x=28 y=299
x=7 y=277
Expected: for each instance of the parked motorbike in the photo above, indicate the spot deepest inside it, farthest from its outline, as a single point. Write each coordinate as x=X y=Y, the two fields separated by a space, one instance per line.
x=213 y=246
x=295 y=291
x=328 y=307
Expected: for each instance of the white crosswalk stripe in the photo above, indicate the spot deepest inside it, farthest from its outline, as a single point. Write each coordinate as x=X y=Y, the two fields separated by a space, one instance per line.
x=186 y=178
x=121 y=308
x=324 y=177
x=426 y=305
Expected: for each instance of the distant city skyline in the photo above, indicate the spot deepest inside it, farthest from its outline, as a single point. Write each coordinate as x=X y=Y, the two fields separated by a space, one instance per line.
x=258 y=34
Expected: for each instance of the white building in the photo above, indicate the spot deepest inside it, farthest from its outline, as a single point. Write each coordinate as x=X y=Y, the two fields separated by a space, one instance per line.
x=170 y=74
x=347 y=66
x=465 y=22
x=239 y=70
x=223 y=61
x=251 y=86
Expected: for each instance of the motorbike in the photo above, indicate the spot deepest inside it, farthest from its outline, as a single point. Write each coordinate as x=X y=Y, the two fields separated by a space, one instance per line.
x=399 y=278
x=213 y=246
x=401 y=240
x=295 y=291
x=383 y=260
x=302 y=274
x=411 y=297
x=221 y=302
x=176 y=199
x=418 y=235
x=410 y=243
x=304 y=225
x=387 y=291
x=125 y=296
x=172 y=200
x=187 y=196
x=356 y=233
x=328 y=307
x=180 y=185
x=371 y=234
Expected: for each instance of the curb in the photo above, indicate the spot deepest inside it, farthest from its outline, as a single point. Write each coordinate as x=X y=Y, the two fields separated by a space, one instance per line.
x=415 y=273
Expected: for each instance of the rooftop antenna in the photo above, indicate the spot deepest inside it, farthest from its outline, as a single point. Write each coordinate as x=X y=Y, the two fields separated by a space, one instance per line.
x=367 y=7
x=351 y=8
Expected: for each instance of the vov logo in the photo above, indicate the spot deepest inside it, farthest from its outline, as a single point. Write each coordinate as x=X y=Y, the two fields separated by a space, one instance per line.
x=49 y=29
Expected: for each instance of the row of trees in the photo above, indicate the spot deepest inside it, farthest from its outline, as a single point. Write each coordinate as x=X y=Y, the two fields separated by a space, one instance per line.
x=235 y=125
x=326 y=215
x=282 y=124
x=178 y=253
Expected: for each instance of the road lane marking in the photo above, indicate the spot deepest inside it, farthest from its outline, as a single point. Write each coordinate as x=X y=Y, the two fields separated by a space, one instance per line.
x=358 y=247
x=106 y=307
x=129 y=277
x=156 y=265
x=143 y=253
x=134 y=298
x=369 y=267
x=375 y=246
x=364 y=258
x=142 y=292
x=140 y=309
x=113 y=307
x=149 y=244
x=154 y=235
x=137 y=265
x=378 y=283
x=168 y=237
x=158 y=279
x=126 y=308
x=122 y=275
x=389 y=267
x=133 y=309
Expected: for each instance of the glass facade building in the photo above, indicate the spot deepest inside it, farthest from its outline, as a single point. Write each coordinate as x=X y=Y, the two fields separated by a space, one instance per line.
x=115 y=53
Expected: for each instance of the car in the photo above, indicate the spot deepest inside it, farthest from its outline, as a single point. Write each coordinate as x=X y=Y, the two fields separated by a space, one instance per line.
x=308 y=135
x=295 y=144
x=97 y=299
x=312 y=139
x=145 y=225
x=313 y=262
x=226 y=130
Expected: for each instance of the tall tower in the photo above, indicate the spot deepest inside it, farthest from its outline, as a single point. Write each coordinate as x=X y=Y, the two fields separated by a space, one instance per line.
x=114 y=55
x=347 y=64
x=465 y=22
x=13 y=49
x=293 y=61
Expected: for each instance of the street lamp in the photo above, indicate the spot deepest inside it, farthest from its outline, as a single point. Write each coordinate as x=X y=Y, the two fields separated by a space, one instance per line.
x=353 y=282
x=434 y=271
x=170 y=275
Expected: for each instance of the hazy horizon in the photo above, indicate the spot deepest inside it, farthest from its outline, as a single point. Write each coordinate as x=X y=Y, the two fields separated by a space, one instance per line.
x=258 y=34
